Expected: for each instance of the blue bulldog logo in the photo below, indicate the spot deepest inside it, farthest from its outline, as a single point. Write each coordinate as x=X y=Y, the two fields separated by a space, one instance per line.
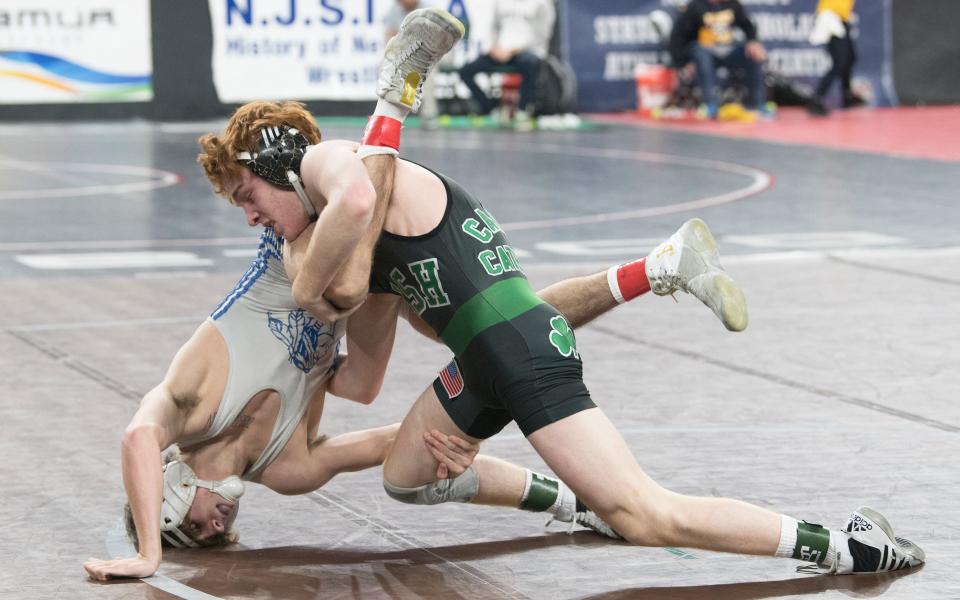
x=307 y=339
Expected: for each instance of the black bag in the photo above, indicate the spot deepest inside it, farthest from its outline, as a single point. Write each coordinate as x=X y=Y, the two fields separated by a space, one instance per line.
x=555 y=92
x=786 y=92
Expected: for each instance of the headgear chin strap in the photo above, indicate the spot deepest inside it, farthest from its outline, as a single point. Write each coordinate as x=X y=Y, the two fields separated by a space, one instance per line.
x=277 y=159
x=180 y=485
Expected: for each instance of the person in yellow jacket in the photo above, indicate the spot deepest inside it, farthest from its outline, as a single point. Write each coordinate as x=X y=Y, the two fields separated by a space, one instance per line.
x=832 y=27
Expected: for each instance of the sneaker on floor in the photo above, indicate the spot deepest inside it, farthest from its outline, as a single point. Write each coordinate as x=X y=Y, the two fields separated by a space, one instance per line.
x=853 y=101
x=425 y=35
x=523 y=121
x=867 y=545
x=816 y=107
x=689 y=261
x=500 y=116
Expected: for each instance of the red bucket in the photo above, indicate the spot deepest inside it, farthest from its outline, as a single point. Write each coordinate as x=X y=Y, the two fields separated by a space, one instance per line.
x=655 y=83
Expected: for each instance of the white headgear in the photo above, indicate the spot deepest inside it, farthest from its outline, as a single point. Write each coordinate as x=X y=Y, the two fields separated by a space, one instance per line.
x=180 y=485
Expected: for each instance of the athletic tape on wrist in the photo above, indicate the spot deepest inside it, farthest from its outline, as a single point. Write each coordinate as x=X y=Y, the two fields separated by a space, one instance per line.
x=614 y=284
x=365 y=151
x=382 y=131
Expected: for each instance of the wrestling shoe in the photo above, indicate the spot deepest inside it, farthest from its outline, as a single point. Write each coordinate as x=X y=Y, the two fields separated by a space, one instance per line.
x=590 y=520
x=867 y=545
x=573 y=512
x=689 y=261
x=425 y=35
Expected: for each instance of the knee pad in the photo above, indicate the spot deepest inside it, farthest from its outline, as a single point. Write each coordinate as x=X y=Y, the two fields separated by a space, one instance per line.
x=460 y=489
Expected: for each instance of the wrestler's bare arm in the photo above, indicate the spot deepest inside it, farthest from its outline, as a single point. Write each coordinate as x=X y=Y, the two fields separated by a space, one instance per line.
x=334 y=173
x=356 y=451
x=305 y=472
x=157 y=424
x=370 y=335
x=351 y=284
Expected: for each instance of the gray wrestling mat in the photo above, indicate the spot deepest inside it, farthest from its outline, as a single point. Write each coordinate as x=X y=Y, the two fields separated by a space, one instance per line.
x=841 y=392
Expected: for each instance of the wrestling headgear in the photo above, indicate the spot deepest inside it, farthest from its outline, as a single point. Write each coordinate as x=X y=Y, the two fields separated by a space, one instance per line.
x=180 y=485
x=277 y=159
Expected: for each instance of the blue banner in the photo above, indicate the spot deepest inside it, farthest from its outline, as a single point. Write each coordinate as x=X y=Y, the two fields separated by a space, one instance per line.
x=604 y=40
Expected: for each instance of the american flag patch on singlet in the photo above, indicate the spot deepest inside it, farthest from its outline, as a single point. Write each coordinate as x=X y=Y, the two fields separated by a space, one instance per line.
x=452 y=380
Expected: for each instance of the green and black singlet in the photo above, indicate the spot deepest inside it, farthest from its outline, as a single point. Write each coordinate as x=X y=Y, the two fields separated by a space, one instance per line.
x=515 y=355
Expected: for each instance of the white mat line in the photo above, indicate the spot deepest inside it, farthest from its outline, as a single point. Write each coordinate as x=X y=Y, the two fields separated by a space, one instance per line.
x=409 y=542
x=154 y=322
x=118 y=544
x=127 y=244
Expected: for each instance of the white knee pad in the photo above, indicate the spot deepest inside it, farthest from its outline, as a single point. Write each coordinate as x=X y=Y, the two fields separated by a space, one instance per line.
x=460 y=489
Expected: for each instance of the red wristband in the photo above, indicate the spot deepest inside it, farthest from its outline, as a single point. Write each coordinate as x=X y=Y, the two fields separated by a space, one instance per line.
x=382 y=131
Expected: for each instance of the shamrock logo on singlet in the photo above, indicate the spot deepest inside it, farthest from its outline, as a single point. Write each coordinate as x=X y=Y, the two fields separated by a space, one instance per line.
x=561 y=336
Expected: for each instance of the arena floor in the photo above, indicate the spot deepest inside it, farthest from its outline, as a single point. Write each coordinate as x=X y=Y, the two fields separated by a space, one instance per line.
x=838 y=394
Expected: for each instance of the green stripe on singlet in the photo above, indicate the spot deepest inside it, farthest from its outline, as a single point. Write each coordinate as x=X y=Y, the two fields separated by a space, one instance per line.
x=501 y=302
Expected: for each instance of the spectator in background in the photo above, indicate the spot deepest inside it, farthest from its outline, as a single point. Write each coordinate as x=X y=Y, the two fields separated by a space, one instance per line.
x=704 y=37
x=522 y=30
x=832 y=28
x=429 y=111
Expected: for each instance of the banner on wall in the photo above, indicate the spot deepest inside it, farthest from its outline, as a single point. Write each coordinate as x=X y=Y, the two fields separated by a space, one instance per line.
x=316 y=49
x=63 y=51
x=604 y=40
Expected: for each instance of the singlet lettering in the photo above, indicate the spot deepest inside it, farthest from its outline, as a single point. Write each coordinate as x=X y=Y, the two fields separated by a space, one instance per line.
x=428 y=291
x=499 y=260
x=483 y=234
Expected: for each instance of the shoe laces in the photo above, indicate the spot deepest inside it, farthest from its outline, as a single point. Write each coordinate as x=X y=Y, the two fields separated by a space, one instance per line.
x=664 y=282
x=408 y=51
x=818 y=569
x=813 y=569
x=570 y=526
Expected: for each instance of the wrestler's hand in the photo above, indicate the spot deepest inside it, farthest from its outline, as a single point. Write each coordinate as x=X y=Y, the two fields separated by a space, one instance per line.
x=327 y=312
x=138 y=566
x=453 y=454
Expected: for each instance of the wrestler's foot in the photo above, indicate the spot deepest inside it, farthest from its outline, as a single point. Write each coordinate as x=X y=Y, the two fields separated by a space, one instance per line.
x=689 y=261
x=575 y=513
x=590 y=520
x=867 y=545
x=567 y=509
x=425 y=35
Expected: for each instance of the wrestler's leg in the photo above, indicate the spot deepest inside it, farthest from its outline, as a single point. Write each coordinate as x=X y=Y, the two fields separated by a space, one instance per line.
x=688 y=261
x=588 y=452
x=409 y=473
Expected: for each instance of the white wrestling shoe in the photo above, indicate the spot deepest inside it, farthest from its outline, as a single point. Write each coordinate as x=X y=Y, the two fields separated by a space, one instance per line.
x=425 y=35
x=571 y=511
x=689 y=261
x=867 y=545
x=590 y=520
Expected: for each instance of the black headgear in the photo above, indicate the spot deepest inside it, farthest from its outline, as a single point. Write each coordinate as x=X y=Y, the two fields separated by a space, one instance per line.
x=277 y=160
